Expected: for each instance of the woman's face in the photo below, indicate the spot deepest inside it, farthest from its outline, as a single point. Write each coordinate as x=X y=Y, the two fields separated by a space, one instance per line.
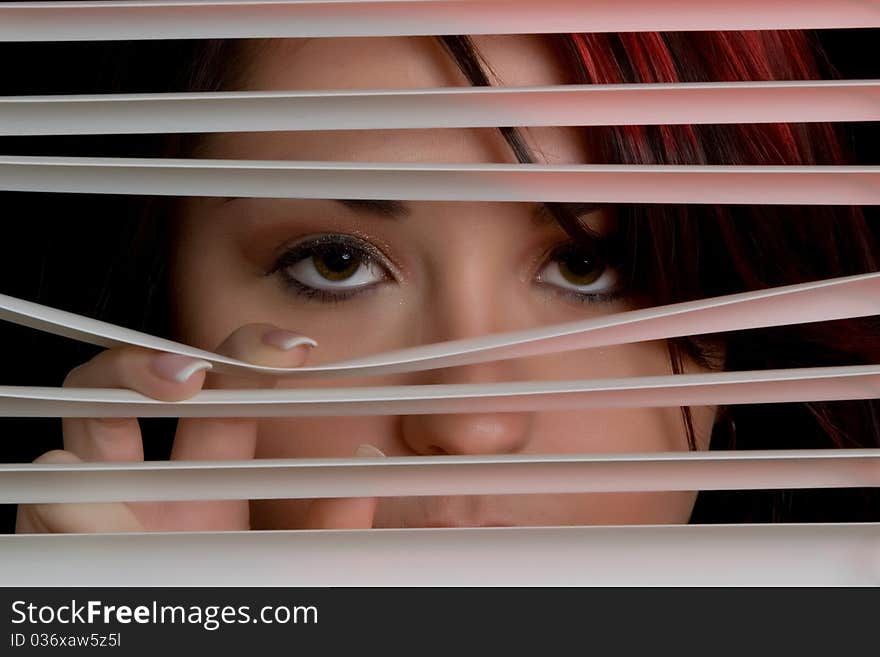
x=365 y=277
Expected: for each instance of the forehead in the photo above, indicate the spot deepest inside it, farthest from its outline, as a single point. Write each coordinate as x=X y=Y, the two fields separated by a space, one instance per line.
x=396 y=63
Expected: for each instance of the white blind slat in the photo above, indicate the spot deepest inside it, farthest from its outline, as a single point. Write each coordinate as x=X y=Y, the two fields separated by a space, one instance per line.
x=679 y=555
x=756 y=387
x=213 y=19
x=42 y=483
x=465 y=107
x=595 y=183
x=830 y=299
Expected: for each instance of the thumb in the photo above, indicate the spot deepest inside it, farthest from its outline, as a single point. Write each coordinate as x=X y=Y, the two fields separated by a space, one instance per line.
x=345 y=512
x=74 y=517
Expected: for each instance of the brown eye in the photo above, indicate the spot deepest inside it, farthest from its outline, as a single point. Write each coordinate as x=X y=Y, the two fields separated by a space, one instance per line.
x=337 y=262
x=581 y=271
x=332 y=263
x=579 y=266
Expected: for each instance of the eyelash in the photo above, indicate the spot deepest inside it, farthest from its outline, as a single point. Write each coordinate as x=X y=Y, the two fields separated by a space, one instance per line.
x=309 y=247
x=609 y=251
x=607 y=248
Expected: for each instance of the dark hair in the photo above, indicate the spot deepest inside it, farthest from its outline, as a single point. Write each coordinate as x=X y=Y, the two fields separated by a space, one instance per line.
x=673 y=252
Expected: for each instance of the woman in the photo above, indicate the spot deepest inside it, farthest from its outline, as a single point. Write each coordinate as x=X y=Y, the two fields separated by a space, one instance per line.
x=263 y=279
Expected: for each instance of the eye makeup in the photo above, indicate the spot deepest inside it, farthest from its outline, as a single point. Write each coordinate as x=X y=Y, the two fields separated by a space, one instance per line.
x=584 y=271
x=332 y=267
x=337 y=260
x=584 y=275
x=335 y=267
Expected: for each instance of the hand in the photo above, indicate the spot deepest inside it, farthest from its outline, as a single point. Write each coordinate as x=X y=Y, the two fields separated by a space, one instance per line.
x=170 y=377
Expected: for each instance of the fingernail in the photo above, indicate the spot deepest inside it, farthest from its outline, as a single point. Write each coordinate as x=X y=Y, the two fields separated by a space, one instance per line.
x=173 y=367
x=286 y=340
x=368 y=450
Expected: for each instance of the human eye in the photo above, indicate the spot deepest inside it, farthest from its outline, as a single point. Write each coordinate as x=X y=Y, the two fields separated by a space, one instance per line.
x=331 y=267
x=581 y=272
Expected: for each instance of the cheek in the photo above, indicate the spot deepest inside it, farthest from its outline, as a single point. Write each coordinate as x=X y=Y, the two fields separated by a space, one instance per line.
x=213 y=289
x=604 y=430
x=618 y=508
x=609 y=431
x=323 y=437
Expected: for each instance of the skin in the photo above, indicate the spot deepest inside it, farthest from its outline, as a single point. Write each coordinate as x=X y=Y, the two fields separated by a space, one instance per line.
x=444 y=271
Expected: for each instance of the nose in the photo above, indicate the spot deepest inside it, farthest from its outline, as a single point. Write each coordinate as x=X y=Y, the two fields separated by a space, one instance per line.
x=467 y=433
x=473 y=294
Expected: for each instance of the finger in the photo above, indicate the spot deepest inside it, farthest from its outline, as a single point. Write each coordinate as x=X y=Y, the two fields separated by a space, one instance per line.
x=159 y=375
x=235 y=438
x=345 y=512
x=156 y=374
x=75 y=517
x=268 y=345
x=232 y=438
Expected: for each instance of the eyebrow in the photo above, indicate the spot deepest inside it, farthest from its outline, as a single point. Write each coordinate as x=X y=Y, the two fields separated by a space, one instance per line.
x=385 y=209
x=380 y=208
x=580 y=210
x=397 y=209
x=392 y=209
